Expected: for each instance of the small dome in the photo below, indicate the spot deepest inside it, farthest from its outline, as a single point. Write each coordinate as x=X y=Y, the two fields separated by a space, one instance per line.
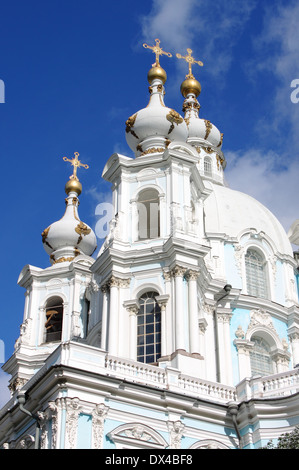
x=190 y=85
x=69 y=236
x=73 y=184
x=156 y=72
x=152 y=129
x=200 y=131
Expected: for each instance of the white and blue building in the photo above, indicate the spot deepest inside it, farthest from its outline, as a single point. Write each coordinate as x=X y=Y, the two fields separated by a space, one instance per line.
x=183 y=333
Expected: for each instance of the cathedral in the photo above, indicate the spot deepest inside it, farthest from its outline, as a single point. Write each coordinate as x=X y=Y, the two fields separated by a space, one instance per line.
x=183 y=332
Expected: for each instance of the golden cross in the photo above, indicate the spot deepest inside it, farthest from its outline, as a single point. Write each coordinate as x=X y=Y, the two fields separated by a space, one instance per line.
x=158 y=51
x=190 y=60
x=76 y=164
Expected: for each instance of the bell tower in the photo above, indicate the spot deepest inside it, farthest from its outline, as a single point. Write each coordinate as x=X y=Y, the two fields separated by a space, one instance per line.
x=57 y=305
x=151 y=264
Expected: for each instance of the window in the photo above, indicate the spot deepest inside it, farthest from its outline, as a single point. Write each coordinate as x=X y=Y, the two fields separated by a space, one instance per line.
x=256 y=278
x=148 y=329
x=54 y=316
x=148 y=214
x=207 y=166
x=260 y=357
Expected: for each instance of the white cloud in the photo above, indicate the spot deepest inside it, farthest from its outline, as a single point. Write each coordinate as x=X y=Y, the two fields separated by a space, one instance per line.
x=210 y=29
x=277 y=52
x=263 y=176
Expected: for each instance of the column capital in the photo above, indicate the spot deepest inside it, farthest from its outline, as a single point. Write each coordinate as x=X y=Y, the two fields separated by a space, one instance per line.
x=105 y=288
x=178 y=271
x=115 y=281
x=243 y=346
x=166 y=275
x=132 y=306
x=162 y=300
x=192 y=274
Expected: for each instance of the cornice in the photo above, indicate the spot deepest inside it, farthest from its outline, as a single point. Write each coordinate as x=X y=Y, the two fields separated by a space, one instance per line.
x=31 y=273
x=166 y=252
x=277 y=310
x=118 y=163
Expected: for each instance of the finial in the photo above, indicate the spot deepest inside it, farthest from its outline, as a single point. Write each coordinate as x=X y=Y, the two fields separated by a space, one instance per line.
x=190 y=60
x=75 y=162
x=190 y=84
x=158 y=51
x=74 y=183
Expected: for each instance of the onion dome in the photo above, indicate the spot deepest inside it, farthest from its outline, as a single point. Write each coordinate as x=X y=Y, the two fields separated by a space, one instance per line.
x=200 y=131
x=151 y=129
x=69 y=236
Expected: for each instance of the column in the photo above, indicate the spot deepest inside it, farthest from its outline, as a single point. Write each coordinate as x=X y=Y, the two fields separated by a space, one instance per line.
x=202 y=326
x=113 y=316
x=178 y=273
x=221 y=350
x=224 y=351
x=191 y=277
x=123 y=320
x=243 y=347
x=227 y=349
x=162 y=302
x=294 y=339
x=75 y=312
x=132 y=307
x=104 y=290
x=169 y=313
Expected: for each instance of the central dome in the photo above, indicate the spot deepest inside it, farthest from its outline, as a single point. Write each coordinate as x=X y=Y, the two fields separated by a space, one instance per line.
x=230 y=212
x=151 y=129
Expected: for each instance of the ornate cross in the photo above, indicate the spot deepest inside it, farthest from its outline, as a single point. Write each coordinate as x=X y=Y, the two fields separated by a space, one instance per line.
x=158 y=51
x=76 y=164
x=190 y=60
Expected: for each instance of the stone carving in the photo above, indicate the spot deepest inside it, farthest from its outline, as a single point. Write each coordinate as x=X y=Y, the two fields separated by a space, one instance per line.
x=98 y=417
x=138 y=432
x=176 y=429
x=260 y=317
x=73 y=410
x=239 y=333
x=24 y=337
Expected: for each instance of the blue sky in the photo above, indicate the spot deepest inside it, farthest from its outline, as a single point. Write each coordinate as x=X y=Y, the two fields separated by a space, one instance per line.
x=74 y=71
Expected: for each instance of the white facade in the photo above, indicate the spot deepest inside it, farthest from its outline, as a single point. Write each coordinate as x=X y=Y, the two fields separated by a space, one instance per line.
x=184 y=332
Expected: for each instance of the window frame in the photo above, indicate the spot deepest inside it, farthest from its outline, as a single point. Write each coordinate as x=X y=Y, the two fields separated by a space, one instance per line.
x=148 y=328
x=53 y=303
x=208 y=166
x=152 y=231
x=261 y=287
x=258 y=353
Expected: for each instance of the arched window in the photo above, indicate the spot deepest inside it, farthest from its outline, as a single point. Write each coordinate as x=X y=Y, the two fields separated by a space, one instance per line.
x=256 y=277
x=207 y=166
x=148 y=205
x=54 y=318
x=260 y=357
x=148 y=329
